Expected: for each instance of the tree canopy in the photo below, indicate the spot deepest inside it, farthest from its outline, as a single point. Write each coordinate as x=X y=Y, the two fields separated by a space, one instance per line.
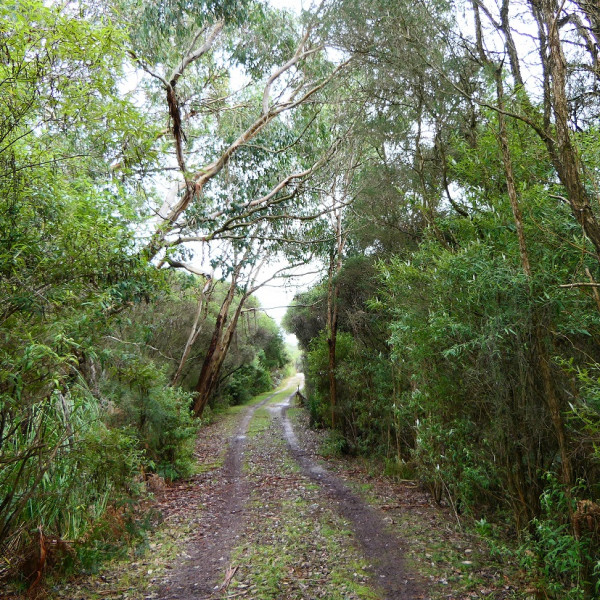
x=438 y=161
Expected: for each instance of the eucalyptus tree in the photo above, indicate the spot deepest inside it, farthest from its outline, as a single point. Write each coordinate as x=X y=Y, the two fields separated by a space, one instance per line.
x=243 y=134
x=247 y=274
x=548 y=84
x=486 y=133
x=246 y=74
x=220 y=136
x=406 y=104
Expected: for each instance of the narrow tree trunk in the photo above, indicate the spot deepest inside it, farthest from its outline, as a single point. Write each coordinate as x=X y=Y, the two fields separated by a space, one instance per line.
x=213 y=360
x=511 y=47
x=555 y=409
x=194 y=332
x=223 y=332
x=332 y=338
x=541 y=351
x=211 y=369
x=564 y=155
x=333 y=293
x=510 y=177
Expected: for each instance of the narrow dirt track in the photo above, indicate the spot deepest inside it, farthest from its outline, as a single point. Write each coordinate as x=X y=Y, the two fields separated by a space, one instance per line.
x=263 y=519
x=239 y=503
x=201 y=574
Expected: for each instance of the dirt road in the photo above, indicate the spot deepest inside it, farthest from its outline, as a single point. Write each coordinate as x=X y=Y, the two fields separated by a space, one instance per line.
x=268 y=518
x=250 y=546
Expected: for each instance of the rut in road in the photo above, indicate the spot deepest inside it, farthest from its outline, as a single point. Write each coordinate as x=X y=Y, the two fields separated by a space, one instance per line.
x=199 y=576
x=382 y=548
x=230 y=518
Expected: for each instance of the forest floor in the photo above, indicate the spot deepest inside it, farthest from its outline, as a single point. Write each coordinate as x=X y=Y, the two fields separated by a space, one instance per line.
x=268 y=517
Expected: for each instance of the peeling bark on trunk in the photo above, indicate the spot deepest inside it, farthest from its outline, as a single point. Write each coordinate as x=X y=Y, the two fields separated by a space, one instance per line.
x=562 y=152
x=554 y=406
x=194 y=332
x=511 y=47
x=209 y=377
x=219 y=345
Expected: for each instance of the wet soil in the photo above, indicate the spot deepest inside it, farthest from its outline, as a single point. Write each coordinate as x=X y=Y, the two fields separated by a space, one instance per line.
x=209 y=571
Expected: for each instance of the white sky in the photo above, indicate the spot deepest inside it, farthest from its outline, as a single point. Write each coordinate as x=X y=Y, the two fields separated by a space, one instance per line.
x=280 y=295
x=276 y=297
x=294 y=5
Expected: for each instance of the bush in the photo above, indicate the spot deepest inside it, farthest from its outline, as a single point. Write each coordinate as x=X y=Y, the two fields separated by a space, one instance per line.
x=169 y=432
x=566 y=564
x=158 y=415
x=246 y=382
x=80 y=470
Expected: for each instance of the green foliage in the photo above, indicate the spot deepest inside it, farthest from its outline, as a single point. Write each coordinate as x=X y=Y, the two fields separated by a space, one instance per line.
x=62 y=468
x=158 y=416
x=318 y=360
x=364 y=381
x=448 y=353
x=460 y=393
x=306 y=318
x=564 y=562
x=270 y=38
x=68 y=264
x=246 y=382
x=165 y=25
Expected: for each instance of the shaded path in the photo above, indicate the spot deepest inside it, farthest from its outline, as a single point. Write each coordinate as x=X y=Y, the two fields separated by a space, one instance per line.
x=200 y=575
x=382 y=548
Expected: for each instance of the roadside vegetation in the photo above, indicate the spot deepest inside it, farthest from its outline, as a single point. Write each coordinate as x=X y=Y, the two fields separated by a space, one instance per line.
x=455 y=333
x=437 y=162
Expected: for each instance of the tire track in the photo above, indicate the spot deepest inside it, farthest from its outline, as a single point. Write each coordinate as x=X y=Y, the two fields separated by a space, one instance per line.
x=202 y=572
x=382 y=548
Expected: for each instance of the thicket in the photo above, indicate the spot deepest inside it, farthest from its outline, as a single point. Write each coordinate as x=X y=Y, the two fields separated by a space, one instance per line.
x=446 y=173
x=466 y=351
x=88 y=412
x=91 y=332
x=438 y=370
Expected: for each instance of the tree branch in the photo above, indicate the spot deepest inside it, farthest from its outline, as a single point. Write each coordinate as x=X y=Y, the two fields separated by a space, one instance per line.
x=193 y=55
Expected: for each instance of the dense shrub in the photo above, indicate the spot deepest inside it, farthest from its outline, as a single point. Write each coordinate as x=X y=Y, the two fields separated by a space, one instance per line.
x=246 y=382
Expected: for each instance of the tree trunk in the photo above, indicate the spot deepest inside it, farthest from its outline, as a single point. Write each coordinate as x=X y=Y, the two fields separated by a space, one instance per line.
x=332 y=338
x=333 y=293
x=541 y=351
x=218 y=347
x=510 y=177
x=211 y=368
x=194 y=331
x=553 y=402
x=563 y=154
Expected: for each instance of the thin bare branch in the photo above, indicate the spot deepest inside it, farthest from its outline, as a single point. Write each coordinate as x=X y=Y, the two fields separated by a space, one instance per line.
x=193 y=55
